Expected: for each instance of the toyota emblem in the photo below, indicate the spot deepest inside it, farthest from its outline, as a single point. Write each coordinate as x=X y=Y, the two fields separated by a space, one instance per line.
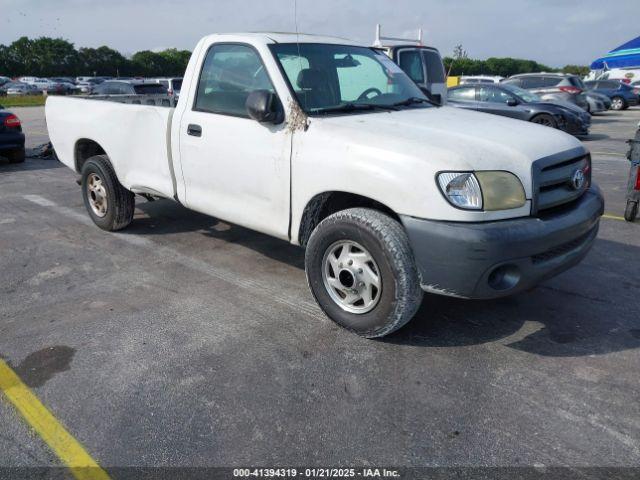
x=577 y=179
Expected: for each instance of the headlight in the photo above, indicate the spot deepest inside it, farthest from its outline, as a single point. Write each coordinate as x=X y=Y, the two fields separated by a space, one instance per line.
x=488 y=190
x=461 y=189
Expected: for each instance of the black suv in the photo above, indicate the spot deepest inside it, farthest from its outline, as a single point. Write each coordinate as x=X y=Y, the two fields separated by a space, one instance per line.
x=553 y=86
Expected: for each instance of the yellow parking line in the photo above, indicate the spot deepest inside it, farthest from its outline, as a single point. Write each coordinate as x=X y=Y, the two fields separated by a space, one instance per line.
x=67 y=448
x=613 y=217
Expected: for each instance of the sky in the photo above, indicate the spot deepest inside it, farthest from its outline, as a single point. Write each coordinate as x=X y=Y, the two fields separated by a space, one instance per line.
x=553 y=32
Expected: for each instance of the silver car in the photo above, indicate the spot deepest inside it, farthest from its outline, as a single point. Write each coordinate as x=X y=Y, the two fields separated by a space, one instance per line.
x=553 y=86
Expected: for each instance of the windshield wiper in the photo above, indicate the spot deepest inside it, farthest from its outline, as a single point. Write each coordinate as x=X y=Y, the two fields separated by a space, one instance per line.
x=413 y=100
x=352 y=107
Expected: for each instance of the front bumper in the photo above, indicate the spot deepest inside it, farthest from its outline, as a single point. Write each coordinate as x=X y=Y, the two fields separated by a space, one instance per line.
x=496 y=259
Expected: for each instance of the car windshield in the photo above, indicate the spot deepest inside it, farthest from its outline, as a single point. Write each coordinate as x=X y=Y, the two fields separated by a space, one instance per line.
x=330 y=78
x=525 y=95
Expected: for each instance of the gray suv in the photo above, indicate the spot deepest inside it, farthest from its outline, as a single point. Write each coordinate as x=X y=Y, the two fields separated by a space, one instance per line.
x=553 y=86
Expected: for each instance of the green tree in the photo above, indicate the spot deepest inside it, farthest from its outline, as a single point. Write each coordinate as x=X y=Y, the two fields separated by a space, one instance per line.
x=581 y=70
x=103 y=61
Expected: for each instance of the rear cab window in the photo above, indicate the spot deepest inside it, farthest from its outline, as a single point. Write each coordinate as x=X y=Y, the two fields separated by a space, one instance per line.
x=149 y=89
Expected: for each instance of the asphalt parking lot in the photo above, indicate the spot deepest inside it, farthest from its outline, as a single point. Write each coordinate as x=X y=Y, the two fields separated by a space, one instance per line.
x=185 y=341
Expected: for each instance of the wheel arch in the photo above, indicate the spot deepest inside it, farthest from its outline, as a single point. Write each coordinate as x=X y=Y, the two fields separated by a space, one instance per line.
x=323 y=204
x=84 y=149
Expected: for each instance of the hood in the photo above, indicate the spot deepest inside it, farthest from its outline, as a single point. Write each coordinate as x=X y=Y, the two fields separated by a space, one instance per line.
x=448 y=138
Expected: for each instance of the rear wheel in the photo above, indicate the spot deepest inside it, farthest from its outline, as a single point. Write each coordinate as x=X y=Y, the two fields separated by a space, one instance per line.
x=618 y=103
x=544 y=119
x=631 y=212
x=16 y=156
x=362 y=273
x=109 y=204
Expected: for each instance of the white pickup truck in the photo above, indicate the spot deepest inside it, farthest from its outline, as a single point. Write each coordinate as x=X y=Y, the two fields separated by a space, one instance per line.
x=327 y=144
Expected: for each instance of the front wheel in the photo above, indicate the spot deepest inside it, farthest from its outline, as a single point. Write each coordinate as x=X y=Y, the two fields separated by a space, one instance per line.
x=109 y=204
x=618 y=103
x=362 y=273
x=544 y=119
x=631 y=212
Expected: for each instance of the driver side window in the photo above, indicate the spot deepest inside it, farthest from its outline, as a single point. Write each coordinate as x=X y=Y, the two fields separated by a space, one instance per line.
x=493 y=95
x=229 y=74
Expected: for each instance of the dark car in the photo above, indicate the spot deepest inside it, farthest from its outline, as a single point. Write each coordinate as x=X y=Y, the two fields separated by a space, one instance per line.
x=622 y=95
x=552 y=86
x=511 y=101
x=128 y=87
x=11 y=137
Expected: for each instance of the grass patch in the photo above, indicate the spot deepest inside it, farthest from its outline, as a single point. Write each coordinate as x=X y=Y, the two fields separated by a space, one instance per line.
x=22 y=101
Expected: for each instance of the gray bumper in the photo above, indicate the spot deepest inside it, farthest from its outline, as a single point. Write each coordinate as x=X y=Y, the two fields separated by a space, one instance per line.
x=495 y=259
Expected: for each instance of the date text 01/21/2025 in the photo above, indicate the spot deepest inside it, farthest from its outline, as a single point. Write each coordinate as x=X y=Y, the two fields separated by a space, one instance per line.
x=315 y=473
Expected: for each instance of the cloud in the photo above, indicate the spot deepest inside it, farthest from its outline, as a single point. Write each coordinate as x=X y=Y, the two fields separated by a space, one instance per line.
x=555 y=32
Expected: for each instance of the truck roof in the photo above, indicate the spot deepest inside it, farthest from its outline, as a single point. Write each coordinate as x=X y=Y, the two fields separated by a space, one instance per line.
x=286 y=37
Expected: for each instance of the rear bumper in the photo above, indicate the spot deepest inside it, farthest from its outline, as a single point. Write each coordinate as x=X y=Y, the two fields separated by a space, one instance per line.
x=496 y=259
x=11 y=141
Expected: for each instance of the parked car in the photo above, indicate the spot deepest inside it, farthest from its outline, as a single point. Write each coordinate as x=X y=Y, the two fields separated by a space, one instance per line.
x=20 y=89
x=421 y=63
x=514 y=102
x=4 y=80
x=622 y=95
x=594 y=97
x=476 y=79
x=129 y=87
x=552 y=86
x=389 y=194
x=67 y=84
x=172 y=85
x=11 y=137
x=596 y=102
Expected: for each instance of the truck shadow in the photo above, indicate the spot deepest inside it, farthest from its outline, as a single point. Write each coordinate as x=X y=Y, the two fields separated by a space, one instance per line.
x=589 y=310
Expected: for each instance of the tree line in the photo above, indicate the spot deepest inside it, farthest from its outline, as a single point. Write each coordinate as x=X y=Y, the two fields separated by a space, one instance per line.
x=56 y=57
x=504 y=67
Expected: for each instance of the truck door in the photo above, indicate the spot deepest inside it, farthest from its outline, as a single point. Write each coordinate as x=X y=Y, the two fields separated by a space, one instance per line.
x=234 y=167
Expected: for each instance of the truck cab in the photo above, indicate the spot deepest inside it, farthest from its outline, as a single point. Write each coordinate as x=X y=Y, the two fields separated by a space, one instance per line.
x=421 y=63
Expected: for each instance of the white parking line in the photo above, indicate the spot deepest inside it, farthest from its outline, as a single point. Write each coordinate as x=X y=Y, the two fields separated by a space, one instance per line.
x=231 y=277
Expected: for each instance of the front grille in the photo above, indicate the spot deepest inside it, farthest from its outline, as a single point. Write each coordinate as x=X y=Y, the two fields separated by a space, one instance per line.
x=553 y=181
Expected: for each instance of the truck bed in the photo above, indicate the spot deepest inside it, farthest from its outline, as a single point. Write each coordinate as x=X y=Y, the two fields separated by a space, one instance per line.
x=125 y=129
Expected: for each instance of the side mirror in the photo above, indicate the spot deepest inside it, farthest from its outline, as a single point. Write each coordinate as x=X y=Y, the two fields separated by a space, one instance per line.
x=265 y=107
x=512 y=102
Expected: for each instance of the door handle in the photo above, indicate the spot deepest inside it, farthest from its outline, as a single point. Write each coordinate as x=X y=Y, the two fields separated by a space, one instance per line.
x=194 y=130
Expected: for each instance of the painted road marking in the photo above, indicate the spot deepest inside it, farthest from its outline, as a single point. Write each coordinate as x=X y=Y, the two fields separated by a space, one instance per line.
x=68 y=449
x=613 y=217
x=228 y=276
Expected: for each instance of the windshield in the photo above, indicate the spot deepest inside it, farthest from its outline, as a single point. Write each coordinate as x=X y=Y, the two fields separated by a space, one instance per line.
x=326 y=77
x=525 y=95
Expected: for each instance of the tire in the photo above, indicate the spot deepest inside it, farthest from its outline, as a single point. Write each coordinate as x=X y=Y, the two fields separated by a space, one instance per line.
x=545 y=119
x=384 y=240
x=618 y=103
x=109 y=204
x=16 y=156
x=631 y=212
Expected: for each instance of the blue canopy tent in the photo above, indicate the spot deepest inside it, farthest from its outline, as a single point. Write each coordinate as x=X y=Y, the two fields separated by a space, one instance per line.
x=625 y=56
